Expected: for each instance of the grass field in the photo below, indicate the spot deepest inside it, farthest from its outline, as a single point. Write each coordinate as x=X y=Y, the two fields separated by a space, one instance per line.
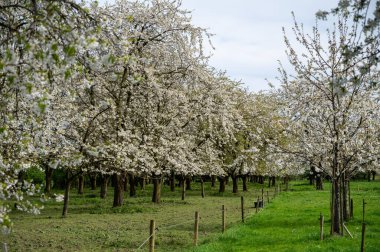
x=291 y=223
x=288 y=223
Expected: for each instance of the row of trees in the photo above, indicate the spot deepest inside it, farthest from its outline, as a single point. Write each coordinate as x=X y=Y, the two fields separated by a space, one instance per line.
x=119 y=89
x=126 y=90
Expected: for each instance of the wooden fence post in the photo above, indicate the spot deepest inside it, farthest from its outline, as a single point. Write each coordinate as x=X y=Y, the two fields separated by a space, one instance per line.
x=364 y=203
x=321 y=220
x=4 y=247
x=362 y=247
x=352 y=208
x=223 y=219
x=242 y=209
x=196 y=225
x=152 y=234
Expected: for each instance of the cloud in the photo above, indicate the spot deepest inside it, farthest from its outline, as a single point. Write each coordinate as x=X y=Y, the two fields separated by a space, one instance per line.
x=248 y=34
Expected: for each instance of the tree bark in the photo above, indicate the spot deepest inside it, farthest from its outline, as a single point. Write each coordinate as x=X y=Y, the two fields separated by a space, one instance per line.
x=48 y=179
x=213 y=179
x=183 y=187
x=202 y=188
x=118 y=190
x=319 y=182
x=93 y=181
x=188 y=183
x=67 y=194
x=156 y=197
x=222 y=184
x=245 y=189
x=142 y=183
x=80 y=184
x=335 y=218
x=172 y=181
x=235 y=184
x=103 y=186
x=132 y=185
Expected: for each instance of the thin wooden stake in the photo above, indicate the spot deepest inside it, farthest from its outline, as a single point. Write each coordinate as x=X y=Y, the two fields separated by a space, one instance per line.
x=352 y=208
x=242 y=209
x=257 y=204
x=364 y=203
x=223 y=219
x=362 y=247
x=321 y=220
x=152 y=234
x=5 y=247
x=203 y=188
x=196 y=228
x=348 y=232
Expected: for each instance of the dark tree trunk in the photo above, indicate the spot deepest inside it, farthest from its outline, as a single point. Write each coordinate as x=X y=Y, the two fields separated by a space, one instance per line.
x=234 y=184
x=132 y=185
x=319 y=182
x=188 y=183
x=93 y=181
x=245 y=189
x=202 y=188
x=67 y=193
x=183 y=187
x=142 y=183
x=274 y=181
x=172 y=182
x=103 y=186
x=156 y=197
x=213 y=179
x=125 y=184
x=345 y=198
x=335 y=223
x=227 y=179
x=222 y=184
x=373 y=175
x=48 y=179
x=118 y=190
x=269 y=180
x=80 y=184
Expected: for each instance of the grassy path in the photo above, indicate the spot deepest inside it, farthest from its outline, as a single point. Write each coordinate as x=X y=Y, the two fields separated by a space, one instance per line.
x=290 y=223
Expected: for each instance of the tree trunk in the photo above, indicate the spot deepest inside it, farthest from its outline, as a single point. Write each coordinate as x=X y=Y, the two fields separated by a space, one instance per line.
x=172 y=181
x=188 y=183
x=183 y=191
x=222 y=184
x=345 y=198
x=118 y=190
x=319 y=182
x=335 y=218
x=103 y=186
x=132 y=185
x=93 y=181
x=80 y=184
x=373 y=175
x=156 y=197
x=202 y=188
x=234 y=184
x=48 y=179
x=125 y=184
x=67 y=194
x=213 y=179
x=245 y=189
x=274 y=181
x=142 y=183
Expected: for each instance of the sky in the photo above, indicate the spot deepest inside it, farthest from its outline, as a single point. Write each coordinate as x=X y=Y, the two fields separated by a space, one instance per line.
x=248 y=37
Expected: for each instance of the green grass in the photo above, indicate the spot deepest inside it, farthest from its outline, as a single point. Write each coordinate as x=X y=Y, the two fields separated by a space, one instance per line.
x=291 y=223
x=288 y=223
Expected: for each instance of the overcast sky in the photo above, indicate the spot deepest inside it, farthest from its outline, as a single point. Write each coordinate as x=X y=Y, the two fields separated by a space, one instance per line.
x=248 y=36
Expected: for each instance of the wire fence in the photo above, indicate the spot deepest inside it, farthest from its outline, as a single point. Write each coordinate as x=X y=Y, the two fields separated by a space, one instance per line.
x=217 y=216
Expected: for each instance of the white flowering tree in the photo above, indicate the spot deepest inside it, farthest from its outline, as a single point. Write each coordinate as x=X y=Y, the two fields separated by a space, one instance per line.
x=331 y=101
